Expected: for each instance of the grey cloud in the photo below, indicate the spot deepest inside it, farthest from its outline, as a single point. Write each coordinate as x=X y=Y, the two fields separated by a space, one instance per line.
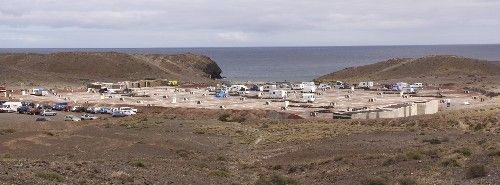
x=171 y=23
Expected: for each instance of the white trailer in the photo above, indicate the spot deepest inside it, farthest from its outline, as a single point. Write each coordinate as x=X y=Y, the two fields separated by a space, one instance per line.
x=368 y=84
x=40 y=91
x=309 y=89
x=269 y=88
x=298 y=86
x=278 y=94
x=307 y=97
x=236 y=88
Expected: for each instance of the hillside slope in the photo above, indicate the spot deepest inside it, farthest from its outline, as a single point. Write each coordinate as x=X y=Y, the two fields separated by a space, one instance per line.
x=424 y=69
x=77 y=68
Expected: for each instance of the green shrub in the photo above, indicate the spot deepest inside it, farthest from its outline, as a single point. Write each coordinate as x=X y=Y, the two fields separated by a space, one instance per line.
x=50 y=176
x=224 y=117
x=476 y=171
x=219 y=173
x=494 y=153
x=451 y=162
x=183 y=153
x=7 y=131
x=139 y=164
x=433 y=141
x=407 y=181
x=275 y=180
x=374 y=181
x=414 y=155
x=464 y=151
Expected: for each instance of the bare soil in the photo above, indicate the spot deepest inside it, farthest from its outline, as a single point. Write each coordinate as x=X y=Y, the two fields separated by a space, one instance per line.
x=200 y=147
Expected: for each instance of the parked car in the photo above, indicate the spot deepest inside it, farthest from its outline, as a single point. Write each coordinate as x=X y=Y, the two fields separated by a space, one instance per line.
x=60 y=106
x=78 y=109
x=133 y=111
x=23 y=109
x=88 y=117
x=34 y=111
x=96 y=110
x=324 y=86
x=105 y=110
x=48 y=112
x=46 y=107
x=71 y=118
x=119 y=113
x=42 y=119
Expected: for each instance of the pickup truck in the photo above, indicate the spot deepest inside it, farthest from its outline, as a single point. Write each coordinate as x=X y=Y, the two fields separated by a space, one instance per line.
x=88 y=117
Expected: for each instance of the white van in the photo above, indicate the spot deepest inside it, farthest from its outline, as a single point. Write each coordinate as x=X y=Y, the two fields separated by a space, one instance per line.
x=10 y=106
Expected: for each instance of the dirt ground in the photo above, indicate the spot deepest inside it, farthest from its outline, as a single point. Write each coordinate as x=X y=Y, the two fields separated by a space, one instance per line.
x=193 y=146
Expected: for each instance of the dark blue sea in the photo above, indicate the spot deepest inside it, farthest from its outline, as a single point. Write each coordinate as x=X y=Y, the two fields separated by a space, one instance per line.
x=299 y=63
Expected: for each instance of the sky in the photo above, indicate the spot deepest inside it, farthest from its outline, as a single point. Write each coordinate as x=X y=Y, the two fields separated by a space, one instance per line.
x=240 y=23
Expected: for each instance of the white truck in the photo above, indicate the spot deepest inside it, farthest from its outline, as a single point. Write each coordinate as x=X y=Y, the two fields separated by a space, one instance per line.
x=10 y=107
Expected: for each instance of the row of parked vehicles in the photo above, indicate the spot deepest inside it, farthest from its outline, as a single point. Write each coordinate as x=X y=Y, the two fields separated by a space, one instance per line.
x=47 y=110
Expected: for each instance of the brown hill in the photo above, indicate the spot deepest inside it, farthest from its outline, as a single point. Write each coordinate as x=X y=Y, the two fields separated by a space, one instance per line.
x=77 y=68
x=426 y=69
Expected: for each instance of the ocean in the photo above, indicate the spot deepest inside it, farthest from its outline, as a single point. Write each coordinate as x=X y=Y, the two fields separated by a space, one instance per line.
x=297 y=64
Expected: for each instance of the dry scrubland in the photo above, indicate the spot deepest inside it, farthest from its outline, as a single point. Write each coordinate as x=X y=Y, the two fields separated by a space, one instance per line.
x=202 y=146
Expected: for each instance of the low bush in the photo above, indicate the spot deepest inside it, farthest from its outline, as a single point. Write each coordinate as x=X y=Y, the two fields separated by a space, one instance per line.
x=374 y=181
x=464 y=151
x=495 y=153
x=451 y=162
x=407 y=181
x=476 y=171
x=433 y=141
x=7 y=131
x=219 y=173
x=50 y=176
x=139 y=164
x=275 y=180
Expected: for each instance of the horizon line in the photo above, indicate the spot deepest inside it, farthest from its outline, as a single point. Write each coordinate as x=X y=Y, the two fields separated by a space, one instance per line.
x=307 y=46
